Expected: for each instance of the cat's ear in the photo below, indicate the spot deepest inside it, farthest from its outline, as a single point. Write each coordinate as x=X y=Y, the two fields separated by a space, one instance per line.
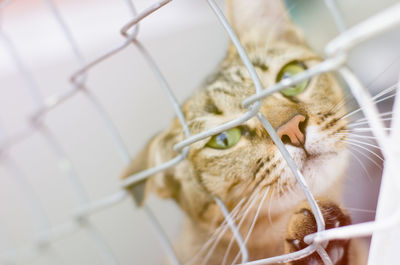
x=262 y=21
x=157 y=151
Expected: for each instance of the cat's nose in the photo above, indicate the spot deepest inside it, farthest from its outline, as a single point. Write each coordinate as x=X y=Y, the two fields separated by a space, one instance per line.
x=292 y=131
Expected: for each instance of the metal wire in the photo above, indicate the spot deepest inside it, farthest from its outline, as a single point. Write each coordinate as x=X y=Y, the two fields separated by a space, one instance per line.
x=33 y=206
x=336 y=52
x=336 y=14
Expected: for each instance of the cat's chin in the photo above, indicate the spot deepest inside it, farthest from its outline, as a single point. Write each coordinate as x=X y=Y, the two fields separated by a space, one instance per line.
x=324 y=167
x=322 y=172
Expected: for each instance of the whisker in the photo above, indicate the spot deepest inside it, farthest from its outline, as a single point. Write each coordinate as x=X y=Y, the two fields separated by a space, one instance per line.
x=375 y=101
x=351 y=135
x=383 y=114
x=270 y=205
x=385 y=91
x=226 y=252
x=369 y=158
x=346 y=97
x=361 y=108
x=228 y=249
x=364 y=143
x=254 y=221
x=291 y=188
x=366 y=122
x=362 y=165
x=359 y=210
x=249 y=201
x=219 y=231
x=364 y=155
x=364 y=129
x=385 y=98
x=366 y=149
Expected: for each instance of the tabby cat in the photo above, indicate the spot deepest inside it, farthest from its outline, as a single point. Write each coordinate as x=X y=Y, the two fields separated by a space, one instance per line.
x=242 y=166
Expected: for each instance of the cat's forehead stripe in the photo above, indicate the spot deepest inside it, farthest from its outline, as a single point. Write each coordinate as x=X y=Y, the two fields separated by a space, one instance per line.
x=211 y=107
x=222 y=89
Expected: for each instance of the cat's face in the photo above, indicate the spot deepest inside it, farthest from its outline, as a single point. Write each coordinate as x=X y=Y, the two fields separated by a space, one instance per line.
x=243 y=161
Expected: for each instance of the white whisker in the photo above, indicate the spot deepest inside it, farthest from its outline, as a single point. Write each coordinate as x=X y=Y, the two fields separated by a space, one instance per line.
x=369 y=158
x=269 y=206
x=366 y=122
x=218 y=233
x=360 y=210
x=364 y=143
x=385 y=98
x=228 y=249
x=362 y=165
x=254 y=221
x=351 y=135
x=366 y=149
x=364 y=155
x=385 y=91
x=375 y=101
x=251 y=199
x=383 y=114
x=364 y=129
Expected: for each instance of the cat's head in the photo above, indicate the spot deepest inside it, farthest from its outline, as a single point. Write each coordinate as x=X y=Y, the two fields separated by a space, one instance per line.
x=244 y=160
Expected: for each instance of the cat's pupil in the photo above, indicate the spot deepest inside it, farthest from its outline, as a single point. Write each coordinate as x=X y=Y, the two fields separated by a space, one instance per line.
x=223 y=139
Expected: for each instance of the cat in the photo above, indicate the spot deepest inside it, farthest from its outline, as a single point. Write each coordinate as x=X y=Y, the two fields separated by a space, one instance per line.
x=242 y=166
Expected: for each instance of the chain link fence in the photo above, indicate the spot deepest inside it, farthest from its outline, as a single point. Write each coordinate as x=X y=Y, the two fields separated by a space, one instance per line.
x=336 y=52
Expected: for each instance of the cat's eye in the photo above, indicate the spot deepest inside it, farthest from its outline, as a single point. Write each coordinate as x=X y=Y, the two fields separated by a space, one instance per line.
x=289 y=70
x=225 y=139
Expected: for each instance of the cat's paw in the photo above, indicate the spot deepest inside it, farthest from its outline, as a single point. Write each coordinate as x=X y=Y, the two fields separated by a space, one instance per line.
x=303 y=223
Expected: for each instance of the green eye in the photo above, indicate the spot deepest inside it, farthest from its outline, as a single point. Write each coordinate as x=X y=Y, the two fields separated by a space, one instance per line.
x=289 y=70
x=225 y=139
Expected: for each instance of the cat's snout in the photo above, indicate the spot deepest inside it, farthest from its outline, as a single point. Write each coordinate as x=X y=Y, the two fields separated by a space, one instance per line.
x=292 y=132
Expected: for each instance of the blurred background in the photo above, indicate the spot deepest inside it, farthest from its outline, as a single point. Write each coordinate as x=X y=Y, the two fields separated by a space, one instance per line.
x=187 y=42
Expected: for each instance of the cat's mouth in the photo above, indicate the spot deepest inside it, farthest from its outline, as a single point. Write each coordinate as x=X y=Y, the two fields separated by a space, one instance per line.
x=311 y=157
x=307 y=160
x=308 y=155
x=320 y=170
x=317 y=166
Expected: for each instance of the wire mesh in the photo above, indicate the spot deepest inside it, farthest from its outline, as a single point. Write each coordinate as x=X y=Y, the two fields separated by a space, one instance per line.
x=336 y=57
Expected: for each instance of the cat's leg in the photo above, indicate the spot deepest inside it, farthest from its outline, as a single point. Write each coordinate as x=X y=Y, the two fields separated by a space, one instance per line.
x=302 y=223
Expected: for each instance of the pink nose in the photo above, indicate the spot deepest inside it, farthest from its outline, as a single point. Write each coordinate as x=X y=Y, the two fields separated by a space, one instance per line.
x=292 y=130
